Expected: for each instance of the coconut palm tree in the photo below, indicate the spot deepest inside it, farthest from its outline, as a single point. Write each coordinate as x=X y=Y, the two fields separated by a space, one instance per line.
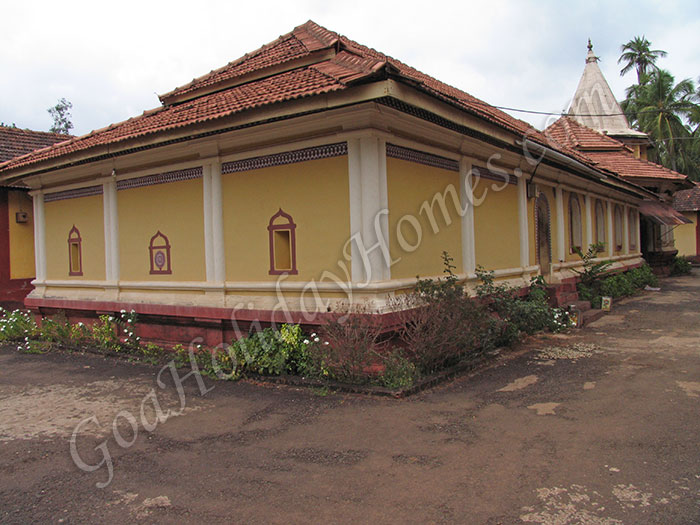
x=661 y=108
x=637 y=55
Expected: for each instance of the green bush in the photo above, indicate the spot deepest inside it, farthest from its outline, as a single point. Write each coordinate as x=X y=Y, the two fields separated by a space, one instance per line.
x=618 y=285
x=17 y=325
x=680 y=266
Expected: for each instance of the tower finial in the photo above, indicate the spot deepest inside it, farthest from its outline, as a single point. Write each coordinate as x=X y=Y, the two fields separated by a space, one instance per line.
x=590 y=46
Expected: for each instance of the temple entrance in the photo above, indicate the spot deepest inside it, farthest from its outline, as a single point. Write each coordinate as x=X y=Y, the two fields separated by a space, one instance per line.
x=544 y=237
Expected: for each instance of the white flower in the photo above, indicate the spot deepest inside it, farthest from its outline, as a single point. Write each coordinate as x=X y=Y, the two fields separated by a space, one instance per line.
x=306 y=341
x=123 y=311
x=313 y=335
x=326 y=342
x=316 y=339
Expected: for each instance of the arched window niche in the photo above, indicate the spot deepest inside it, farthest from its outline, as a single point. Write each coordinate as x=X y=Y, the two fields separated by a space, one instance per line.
x=633 y=229
x=283 y=244
x=599 y=222
x=618 y=227
x=575 y=226
x=75 y=252
x=159 y=252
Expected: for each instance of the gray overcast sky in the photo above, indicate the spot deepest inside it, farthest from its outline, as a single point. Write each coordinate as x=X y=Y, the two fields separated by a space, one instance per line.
x=111 y=58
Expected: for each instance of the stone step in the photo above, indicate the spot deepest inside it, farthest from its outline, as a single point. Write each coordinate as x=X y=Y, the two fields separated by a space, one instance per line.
x=566 y=298
x=591 y=315
x=581 y=306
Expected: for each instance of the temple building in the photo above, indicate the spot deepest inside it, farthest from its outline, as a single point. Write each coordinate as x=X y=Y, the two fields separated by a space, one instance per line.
x=596 y=127
x=16 y=224
x=308 y=174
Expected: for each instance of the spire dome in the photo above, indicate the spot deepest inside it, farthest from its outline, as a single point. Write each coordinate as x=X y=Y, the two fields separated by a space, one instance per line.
x=594 y=104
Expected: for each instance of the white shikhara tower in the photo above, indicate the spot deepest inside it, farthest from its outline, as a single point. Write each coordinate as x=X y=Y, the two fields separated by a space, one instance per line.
x=594 y=105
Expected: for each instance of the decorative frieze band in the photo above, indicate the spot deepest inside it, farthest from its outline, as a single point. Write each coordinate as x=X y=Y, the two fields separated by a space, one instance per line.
x=486 y=173
x=73 y=194
x=288 y=157
x=420 y=157
x=160 y=178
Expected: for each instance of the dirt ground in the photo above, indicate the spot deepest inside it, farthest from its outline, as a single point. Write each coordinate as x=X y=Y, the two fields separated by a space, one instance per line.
x=600 y=426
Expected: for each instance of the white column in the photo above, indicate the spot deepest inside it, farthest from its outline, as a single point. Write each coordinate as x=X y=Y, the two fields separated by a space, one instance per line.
x=611 y=231
x=111 y=229
x=369 y=222
x=39 y=235
x=589 y=223
x=217 y=224
x=524 y=227
x=467 y=200
x=208 y=239
x=625 y=230
x=561 y=238
x=639 y=231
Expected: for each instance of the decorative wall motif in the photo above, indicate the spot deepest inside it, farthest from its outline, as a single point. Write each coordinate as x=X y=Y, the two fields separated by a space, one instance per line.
x=288 y=157
x=283 y=244
x=75 y=252
x=160 y=178
x=73 y=194
x=420 y=157
x=159 y=253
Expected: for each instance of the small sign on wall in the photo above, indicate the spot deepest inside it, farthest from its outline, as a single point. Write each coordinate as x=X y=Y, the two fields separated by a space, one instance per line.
x=606 y=304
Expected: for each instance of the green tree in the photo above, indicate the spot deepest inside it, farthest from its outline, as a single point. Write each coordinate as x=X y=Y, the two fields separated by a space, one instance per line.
x=661 y=108
x=637 y=55
x=61 y=117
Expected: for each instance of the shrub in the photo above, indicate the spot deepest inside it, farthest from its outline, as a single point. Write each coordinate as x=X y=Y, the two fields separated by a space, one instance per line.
x=439 y=324
x=680 y=266
x=618 y=285
x=17 y=325
x=592 y=270
x=399 y=372
x=642 y=276
x=352 y=345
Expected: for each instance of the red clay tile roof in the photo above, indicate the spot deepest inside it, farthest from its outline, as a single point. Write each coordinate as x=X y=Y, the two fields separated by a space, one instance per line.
x=15 y=142
x=607 y=152
x=687 y=200
x=629 y=167
x=216 y=95
x=662 y=213
x=569 y=132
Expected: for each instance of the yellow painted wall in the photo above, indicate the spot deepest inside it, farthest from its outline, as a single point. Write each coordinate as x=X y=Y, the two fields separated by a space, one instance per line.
x=549 y=194
x=685 y=235
x=87 y=215
x=21 y=236
x=496 y=230
x=315 y=193
x=176 y=210
x=410 y=185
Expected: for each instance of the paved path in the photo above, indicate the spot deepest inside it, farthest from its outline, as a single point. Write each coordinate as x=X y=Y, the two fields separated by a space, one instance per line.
x=597 y=427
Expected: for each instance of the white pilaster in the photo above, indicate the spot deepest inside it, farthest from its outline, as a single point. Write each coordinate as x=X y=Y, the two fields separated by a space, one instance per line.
x=111 y=229
x=369 y=222
x=217 y=224
x=611 y=232
x=561 y=238
x=467 y=200
x=625 y=230
x=639 y=231
x=208 y=239
x=589 y=223
x=523 y=225
x=39 y=235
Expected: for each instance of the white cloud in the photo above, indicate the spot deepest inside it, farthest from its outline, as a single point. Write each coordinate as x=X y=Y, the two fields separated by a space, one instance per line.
x=110 y=59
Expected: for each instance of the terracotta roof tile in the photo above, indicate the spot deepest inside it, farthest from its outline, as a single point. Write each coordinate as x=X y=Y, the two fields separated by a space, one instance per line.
x=687 y=200
x=630 y=167
x=15 y=142
x=216 y=95
x=575 y=135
